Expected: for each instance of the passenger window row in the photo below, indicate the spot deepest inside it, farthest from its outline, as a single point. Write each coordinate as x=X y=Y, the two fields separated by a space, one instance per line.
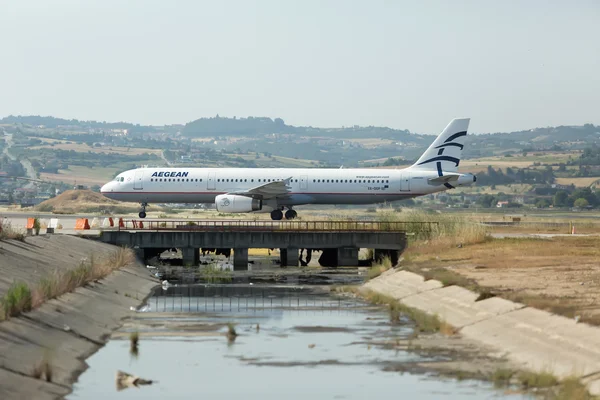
x=350 y=181
x=175 y=180
x=270 y=180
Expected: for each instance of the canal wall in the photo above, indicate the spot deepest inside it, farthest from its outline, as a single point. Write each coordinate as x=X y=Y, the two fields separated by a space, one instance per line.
x=532 y=338
x=64 y=331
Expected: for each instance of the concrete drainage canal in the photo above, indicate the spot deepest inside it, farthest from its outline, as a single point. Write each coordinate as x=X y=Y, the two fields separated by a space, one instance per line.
x=224 y=341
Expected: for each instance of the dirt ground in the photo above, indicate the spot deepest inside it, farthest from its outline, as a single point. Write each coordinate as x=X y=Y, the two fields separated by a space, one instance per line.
x=557 y=274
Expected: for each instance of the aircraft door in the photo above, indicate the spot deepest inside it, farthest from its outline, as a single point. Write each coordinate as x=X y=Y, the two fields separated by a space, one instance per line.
x=304 y=182
x=211 y=181
x=138 y=179
x=404 y=183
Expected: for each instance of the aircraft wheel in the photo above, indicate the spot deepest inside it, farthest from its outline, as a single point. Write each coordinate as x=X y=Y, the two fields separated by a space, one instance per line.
x=291 y=214
x=142 y=214
x=276 y=215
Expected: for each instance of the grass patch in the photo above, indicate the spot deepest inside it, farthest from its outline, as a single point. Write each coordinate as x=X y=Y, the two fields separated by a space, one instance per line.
x=8 y=232
x=572 y=389
x=379 y=268
x=502 y=376
x=424 y=322
x=529 y=379
x=213 y=274
x=16 y=300
x=21 y=298
x=555 y=305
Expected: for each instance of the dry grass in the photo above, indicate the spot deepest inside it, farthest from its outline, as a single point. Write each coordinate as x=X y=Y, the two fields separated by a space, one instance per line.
x=536 y=379
x=424 y=322
x=21 y=298
x=379 y=268
x=8 y=232
x=558 y=275
x=511 y=252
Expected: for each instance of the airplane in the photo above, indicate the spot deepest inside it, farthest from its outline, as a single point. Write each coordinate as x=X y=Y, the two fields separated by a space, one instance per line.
x=243 y=190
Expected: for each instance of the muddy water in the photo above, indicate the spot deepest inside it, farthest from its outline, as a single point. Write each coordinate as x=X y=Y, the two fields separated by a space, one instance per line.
x=291 y=344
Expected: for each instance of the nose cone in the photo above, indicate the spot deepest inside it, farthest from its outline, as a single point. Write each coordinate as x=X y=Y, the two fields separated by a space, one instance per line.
x=106 y=189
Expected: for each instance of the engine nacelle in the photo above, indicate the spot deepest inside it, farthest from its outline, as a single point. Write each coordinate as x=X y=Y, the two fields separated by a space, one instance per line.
x=232 y=203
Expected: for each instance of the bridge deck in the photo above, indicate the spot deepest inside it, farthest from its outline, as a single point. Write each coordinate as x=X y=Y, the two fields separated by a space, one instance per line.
x=339 y=241
x=273 y=226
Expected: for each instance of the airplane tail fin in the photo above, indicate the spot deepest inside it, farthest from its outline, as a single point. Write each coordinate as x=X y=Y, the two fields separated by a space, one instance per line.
x=445 y=152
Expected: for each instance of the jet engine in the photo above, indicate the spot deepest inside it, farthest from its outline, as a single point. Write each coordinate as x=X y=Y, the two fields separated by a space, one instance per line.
x=232 y=203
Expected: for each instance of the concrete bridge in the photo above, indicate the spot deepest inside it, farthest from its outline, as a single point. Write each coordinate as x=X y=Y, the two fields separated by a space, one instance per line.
x=339 y=241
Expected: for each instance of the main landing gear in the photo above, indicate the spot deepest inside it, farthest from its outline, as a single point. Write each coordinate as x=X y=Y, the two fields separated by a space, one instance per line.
x=277 y=215
x=142 y=213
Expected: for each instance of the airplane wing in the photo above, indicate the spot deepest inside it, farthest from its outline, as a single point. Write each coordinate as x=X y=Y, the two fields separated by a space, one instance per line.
x=267 y=190
x=443 y=179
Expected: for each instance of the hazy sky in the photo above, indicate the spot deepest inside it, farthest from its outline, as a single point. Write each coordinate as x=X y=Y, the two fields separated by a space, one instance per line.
x=508 y=65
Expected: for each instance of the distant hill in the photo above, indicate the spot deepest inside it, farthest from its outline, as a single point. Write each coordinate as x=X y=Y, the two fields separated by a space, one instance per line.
x=480 y=145
x=52 y=122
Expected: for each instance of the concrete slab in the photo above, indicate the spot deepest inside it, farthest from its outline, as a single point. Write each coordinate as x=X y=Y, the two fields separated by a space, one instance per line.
x=457 y=306
x=401 y=284
x=542 y=341
x=17 y=387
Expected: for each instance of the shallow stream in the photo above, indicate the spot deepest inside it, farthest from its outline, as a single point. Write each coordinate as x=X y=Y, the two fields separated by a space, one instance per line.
x=292 y=343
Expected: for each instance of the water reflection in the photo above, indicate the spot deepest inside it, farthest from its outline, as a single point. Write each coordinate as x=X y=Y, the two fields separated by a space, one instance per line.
x=289 y=344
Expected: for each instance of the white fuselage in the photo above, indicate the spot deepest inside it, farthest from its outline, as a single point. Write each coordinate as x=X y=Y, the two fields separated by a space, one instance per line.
x=306 y=186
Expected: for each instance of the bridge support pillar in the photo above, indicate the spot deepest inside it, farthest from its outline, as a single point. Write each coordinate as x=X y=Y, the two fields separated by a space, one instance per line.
x=347 y=256
x=289 y=257
x=240 y=259
x=191 y=256
x=141 y=254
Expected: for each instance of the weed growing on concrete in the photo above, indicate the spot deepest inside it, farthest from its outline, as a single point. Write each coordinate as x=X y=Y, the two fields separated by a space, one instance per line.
x=16 y=300
x=231 y=333
x=529 y=379
x=572 y=389
x=502 y=376
x=58 y=283
x=134 y=338
x=379 y=268
x=424 y=322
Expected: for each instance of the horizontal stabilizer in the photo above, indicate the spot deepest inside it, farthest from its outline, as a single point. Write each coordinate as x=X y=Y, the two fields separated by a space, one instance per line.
x=443 y=179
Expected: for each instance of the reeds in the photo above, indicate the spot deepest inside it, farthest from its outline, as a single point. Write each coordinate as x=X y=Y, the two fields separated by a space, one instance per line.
x=21 y=298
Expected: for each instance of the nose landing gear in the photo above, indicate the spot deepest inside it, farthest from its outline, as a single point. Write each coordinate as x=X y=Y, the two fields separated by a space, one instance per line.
x=142 y=213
